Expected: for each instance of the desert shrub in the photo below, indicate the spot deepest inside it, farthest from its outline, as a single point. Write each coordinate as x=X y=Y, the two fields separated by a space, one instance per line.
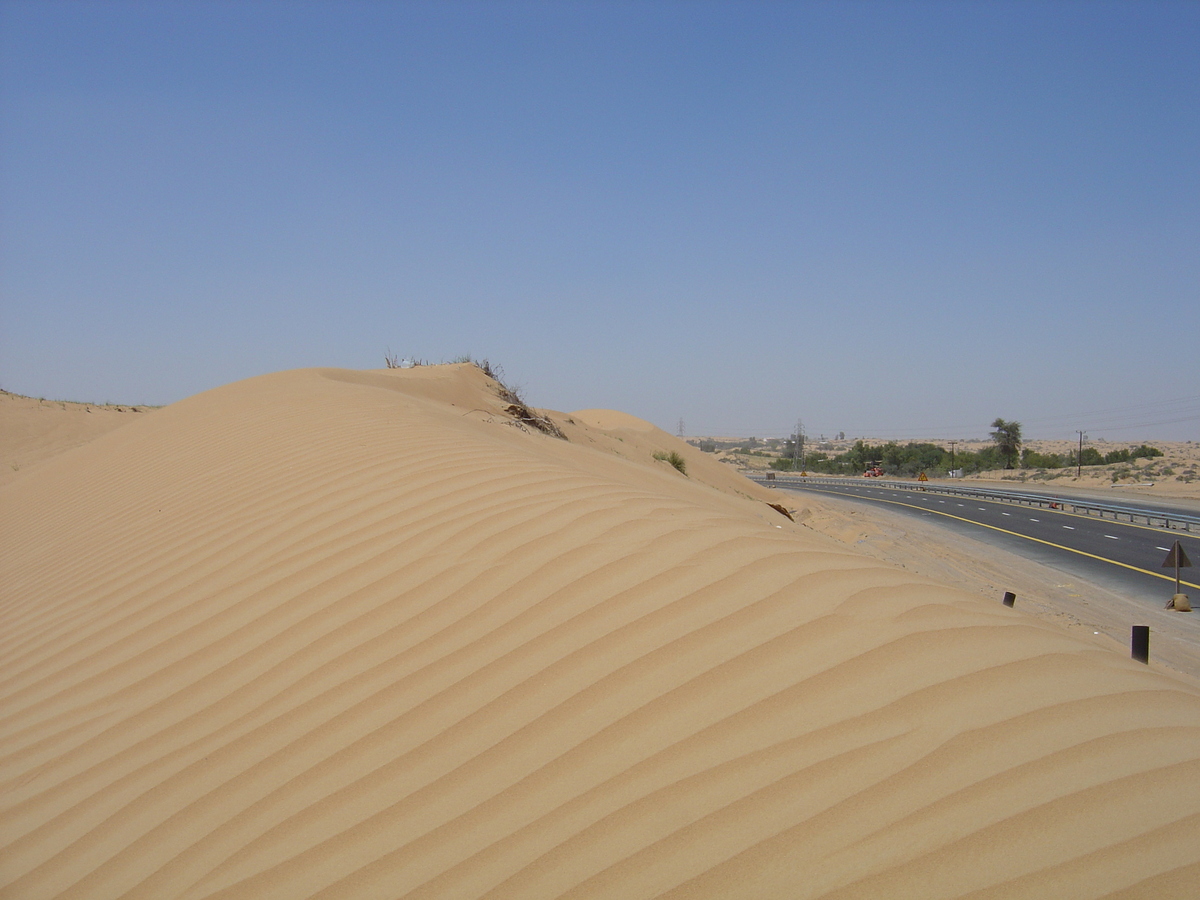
x=674 y=459
x=517 y=407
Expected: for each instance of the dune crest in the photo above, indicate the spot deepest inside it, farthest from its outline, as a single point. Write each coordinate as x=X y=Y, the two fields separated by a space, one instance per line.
x=32 y=430
x=362 y=634
x=612 y=420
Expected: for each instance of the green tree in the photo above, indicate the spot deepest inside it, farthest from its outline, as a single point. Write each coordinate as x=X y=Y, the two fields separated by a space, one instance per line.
x=1007 y=436
x=1031 y=459
x=856 y=458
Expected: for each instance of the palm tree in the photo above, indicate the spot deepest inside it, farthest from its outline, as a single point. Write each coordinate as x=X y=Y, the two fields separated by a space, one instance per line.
x=1007 y=436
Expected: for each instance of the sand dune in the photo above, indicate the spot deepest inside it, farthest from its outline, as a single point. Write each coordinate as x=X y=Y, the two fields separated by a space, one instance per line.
x=358 y=634
x=33 y=429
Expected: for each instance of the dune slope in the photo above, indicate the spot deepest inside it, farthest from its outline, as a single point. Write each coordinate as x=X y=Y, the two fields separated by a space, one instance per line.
x=33 y=430
x=356 y=634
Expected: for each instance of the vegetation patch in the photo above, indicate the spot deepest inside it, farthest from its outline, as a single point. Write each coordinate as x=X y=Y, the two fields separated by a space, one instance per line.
x=520 y=411
x=674 y=459
x=517 y=407
x=898 y=460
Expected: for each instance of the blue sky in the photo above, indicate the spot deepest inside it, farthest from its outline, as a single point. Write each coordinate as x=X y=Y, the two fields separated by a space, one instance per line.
x=890 y=219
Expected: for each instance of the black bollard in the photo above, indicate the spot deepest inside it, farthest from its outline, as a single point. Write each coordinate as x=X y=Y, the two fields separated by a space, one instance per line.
x=1140 y=643
x=1009 y=598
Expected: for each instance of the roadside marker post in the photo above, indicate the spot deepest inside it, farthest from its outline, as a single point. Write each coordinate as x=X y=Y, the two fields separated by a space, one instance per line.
x=1140 y=643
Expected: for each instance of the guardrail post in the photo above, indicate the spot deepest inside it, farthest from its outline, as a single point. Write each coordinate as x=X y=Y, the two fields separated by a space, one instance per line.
x=1140 y=643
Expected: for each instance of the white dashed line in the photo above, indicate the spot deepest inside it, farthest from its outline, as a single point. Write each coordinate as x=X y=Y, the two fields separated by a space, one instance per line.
x=1035 y=520
x=1112 y=537
x=1069 y=527
x=1163 y=549
x=1005 y=514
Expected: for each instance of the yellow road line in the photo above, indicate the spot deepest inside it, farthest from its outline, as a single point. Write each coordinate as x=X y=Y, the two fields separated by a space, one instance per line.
x=1170 y=578
x=1058 y=512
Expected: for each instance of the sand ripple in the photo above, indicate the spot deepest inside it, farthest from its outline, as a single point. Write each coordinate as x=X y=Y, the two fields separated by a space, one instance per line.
x=334 y=634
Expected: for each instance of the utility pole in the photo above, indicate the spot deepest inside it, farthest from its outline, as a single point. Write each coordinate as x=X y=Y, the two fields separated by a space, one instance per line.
x=680 y=432
x=797 y=444
x=1079 y=458
x=952 y=446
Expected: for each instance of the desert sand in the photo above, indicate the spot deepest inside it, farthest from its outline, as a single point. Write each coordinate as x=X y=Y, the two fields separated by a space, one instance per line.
x=1092 y=609
x=34 y=429
x=330 y=633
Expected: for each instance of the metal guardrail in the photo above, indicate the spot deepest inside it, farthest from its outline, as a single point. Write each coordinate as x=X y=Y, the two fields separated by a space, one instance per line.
x=1173 y=521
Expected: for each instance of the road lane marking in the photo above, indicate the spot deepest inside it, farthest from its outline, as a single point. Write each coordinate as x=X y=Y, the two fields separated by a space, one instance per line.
x=1112 y=537
x=1069 y=527
x=832 y=488
x=1035 y=520
x=1063 y=547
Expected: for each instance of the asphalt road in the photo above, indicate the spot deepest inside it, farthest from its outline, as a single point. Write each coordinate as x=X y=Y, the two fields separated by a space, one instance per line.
x=1124 y=557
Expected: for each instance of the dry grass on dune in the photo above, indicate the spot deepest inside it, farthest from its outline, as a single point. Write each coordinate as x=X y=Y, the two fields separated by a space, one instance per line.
x=360 y=634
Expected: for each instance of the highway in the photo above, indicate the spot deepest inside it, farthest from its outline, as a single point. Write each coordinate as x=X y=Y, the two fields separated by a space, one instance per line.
x=1124 y=556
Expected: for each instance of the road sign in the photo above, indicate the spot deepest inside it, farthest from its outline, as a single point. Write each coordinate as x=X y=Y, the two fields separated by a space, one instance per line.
x=923 y=477
x=1177 y=558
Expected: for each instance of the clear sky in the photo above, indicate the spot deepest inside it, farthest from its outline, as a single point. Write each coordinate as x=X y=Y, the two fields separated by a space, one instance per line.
x=890 y=219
